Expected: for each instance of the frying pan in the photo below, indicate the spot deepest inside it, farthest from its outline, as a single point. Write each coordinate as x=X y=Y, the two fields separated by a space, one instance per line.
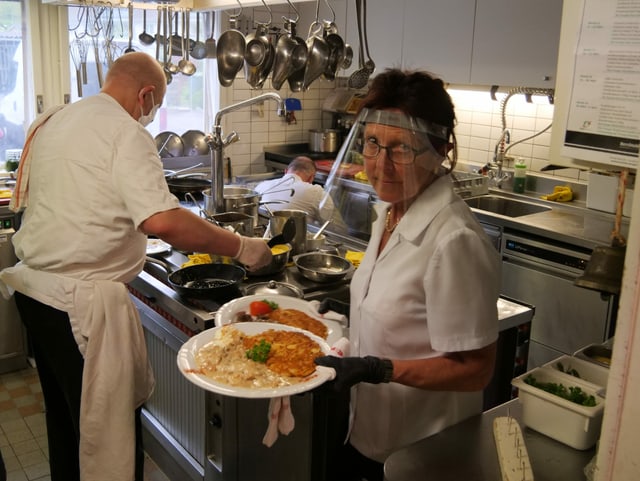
x=204 y=281
x=182 y=185
x=195 y=143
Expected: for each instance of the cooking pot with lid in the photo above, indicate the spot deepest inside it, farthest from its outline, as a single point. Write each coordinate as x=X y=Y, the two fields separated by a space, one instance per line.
x=325 y=141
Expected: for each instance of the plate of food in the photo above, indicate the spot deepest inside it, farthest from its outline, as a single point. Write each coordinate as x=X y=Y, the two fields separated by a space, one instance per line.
x=157 y=246
x=280 y=309
x=254 y=360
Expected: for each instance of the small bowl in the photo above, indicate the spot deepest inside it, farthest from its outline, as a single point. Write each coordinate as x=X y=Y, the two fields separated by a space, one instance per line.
x=278 y=261
x=322 y=267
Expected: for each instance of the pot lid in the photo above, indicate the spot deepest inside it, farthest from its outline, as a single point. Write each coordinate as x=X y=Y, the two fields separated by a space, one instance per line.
x=273 y=287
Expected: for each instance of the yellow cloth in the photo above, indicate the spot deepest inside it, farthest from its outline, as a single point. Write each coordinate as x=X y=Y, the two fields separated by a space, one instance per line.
x=5 y=193
x=197 y=259
x=561 y=193
x=362 y=175
x=354 y=257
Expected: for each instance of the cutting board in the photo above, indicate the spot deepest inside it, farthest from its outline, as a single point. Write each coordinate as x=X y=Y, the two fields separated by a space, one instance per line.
x=346 y=170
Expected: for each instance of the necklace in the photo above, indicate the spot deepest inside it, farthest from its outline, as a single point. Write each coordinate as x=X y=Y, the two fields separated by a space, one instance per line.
x=391 y=228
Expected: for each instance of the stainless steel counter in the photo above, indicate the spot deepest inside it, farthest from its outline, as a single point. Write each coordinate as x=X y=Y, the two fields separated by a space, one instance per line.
x=467 y=452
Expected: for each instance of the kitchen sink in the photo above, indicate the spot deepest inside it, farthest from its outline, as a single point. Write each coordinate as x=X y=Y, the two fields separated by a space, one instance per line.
x=505 y=206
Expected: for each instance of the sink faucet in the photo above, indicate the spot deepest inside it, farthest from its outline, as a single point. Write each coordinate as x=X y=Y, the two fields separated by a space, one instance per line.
x=498 y=176
x=217 y=143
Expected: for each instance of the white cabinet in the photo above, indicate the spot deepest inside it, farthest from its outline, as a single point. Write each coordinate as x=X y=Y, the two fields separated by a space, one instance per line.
x=438 y=36
x=516 y=43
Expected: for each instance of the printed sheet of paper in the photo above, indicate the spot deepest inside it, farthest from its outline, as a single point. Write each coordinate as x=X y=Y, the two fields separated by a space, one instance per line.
x=603 y=124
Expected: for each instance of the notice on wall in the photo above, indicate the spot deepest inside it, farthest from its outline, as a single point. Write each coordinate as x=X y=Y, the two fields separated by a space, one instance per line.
x=603 y=124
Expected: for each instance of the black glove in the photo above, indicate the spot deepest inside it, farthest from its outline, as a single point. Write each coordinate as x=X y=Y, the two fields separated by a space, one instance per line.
x=329 y=304
x=352 y=370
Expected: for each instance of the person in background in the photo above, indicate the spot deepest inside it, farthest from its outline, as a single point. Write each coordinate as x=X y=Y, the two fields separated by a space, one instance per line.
x=306 y=196
x=92 y=188
x=423 y=309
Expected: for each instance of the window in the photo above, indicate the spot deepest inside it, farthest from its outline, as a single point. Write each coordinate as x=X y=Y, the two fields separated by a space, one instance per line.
x=12 y=91
x=102 y=32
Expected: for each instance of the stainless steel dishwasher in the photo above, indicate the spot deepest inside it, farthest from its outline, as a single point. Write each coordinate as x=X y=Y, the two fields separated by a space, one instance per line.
x=541 y=272
x=13 y=352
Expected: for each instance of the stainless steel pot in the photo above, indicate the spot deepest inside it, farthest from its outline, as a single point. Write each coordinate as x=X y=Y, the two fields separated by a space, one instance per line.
x=323 y=140
x=236 y=199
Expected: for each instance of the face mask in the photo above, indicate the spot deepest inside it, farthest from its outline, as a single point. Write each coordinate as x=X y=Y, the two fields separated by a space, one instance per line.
x=147 y=119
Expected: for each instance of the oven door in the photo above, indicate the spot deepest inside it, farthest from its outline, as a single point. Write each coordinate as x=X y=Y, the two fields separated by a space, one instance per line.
x=566 y=318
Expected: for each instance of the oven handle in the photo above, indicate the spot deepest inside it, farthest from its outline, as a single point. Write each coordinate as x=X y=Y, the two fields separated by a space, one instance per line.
x=539 y=266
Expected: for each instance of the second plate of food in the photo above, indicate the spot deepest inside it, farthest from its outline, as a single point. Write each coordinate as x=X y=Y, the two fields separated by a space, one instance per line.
x=285 y=310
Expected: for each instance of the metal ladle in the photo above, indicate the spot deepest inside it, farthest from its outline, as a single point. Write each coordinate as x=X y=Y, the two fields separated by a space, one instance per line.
x=144 y=37
x=199 y=49
x=130 y=48
x=186 y=66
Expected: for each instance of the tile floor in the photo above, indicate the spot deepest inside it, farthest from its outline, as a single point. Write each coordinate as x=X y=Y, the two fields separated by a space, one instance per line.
x=23 y=437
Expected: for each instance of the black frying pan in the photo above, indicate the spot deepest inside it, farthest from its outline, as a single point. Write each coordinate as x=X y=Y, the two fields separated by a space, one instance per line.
x=205 y=281
x=182 y=185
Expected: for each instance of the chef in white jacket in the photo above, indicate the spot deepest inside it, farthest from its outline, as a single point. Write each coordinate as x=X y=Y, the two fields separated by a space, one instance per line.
x=92 y=188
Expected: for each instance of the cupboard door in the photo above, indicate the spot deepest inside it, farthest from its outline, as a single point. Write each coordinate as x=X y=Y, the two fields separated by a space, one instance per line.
x=438 y=37
x=516 y=43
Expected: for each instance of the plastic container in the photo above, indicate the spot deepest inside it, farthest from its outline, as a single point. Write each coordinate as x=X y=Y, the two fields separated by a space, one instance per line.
x=519 y=176
x=585 y=370
x=563 y=420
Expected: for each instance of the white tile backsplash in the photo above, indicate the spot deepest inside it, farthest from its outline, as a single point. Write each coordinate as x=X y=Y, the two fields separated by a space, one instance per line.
x=479 y=126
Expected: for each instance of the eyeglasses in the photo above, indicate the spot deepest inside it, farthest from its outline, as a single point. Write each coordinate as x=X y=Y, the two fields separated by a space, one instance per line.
x=401 y=154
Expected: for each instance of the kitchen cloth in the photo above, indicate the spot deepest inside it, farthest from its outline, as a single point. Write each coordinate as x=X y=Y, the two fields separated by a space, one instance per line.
x=280 y=415
x=20 y=197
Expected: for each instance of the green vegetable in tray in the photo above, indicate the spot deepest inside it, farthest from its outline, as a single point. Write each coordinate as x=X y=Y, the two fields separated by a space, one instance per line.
x=259 y=352
x=572 y=393
x=568 y=370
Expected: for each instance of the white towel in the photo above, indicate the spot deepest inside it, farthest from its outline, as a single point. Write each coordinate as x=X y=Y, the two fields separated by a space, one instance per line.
x=20 y=198
x=279 y=413
x=332 y=315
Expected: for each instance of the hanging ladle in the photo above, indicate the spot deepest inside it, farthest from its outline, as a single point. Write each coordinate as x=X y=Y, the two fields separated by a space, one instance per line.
x=144 y=37
x=187 y=67
x=199 y=49
x=130 y=48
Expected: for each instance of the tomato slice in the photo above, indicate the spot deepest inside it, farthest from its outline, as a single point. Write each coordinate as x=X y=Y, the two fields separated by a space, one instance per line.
x=260 y=308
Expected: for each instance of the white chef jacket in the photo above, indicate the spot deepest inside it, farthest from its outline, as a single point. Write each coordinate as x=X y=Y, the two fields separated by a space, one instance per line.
x=306 y=197
x=94 y=176
x=432 y=290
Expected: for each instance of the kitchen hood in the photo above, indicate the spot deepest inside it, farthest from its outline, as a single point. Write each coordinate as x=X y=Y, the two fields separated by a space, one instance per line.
x=343 y=101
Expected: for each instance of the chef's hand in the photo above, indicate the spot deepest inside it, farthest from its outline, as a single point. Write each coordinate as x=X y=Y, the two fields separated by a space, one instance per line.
x=353 y=370
x=254 y=253
x=329 y=304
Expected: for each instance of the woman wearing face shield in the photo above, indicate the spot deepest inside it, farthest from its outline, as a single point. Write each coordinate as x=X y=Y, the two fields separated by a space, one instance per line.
x=423 y=315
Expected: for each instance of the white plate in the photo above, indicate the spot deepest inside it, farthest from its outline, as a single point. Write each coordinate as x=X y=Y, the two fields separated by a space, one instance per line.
x=157 y=246
x=227 y=313
x=187 y=364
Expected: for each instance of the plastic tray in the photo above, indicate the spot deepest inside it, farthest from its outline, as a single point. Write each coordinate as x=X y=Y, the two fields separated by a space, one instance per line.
x=565 y=421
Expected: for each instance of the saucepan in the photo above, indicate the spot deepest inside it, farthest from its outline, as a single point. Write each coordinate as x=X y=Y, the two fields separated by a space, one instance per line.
x=204 y=281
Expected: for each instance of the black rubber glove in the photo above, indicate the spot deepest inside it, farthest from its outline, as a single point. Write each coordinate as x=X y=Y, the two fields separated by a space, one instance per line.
x=353 y=370
x=329 y=304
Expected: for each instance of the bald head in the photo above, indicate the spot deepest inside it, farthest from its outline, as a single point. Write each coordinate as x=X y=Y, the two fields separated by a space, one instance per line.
x=303 y=167
x=133 y=76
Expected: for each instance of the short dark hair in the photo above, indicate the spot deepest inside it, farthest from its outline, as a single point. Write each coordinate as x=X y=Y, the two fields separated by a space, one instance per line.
x=416 y=93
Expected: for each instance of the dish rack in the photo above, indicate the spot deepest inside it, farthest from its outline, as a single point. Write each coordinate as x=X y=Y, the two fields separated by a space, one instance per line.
x=466 y=184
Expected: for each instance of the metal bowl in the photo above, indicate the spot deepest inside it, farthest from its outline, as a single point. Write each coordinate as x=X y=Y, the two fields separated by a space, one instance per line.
x=278 y=261
x=322 y=267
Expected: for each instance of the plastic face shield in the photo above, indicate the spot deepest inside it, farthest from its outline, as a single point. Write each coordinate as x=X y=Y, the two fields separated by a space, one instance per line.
x=387 y=154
